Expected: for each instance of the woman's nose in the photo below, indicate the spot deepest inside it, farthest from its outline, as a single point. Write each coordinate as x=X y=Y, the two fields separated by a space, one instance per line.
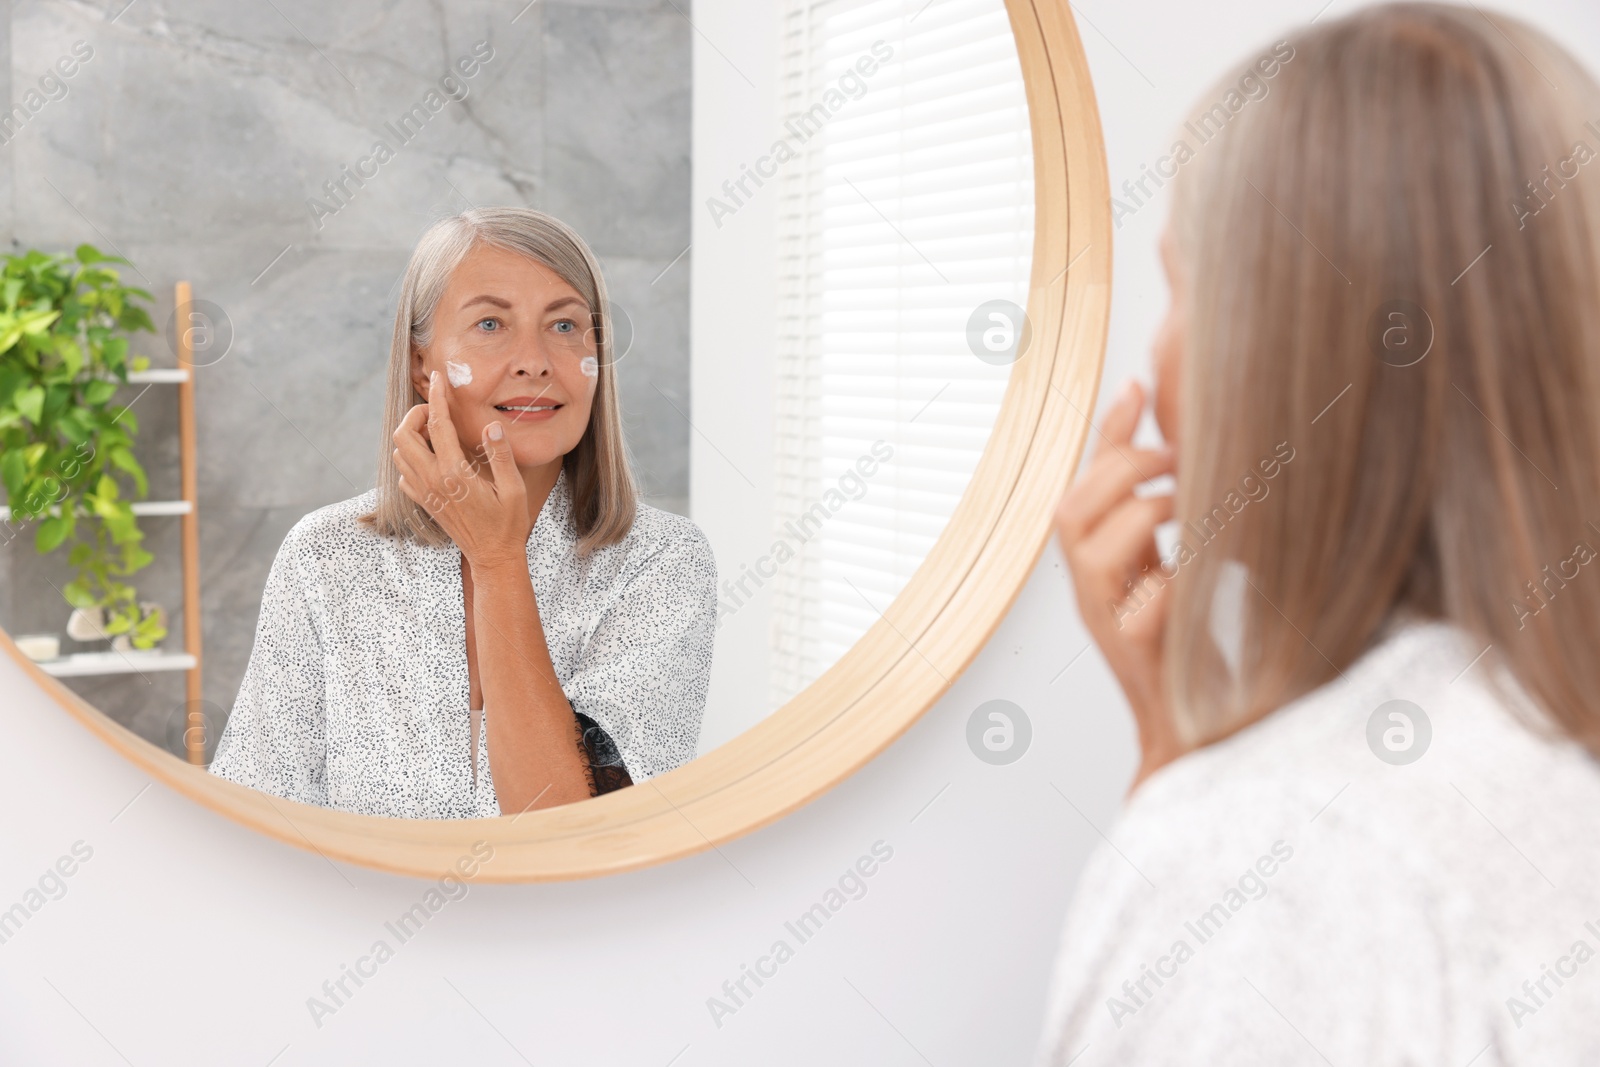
x=532 y=359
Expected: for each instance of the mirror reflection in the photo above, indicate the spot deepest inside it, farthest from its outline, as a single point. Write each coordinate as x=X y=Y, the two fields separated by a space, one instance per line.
x=502 y=409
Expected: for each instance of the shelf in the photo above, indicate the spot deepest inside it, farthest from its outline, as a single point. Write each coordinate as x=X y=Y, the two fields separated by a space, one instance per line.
x=83 y=664
x=154 y=376
x=140 y=507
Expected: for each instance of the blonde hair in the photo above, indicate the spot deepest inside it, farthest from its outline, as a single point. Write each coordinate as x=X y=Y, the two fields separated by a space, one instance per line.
x=1410 y=152
x=599 y=473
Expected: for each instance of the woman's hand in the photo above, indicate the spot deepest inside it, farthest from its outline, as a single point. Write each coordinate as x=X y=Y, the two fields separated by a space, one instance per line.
x=486 y=517
x=1108 y=537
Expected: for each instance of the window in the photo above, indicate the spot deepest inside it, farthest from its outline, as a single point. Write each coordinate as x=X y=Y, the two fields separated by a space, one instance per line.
x=908 y=206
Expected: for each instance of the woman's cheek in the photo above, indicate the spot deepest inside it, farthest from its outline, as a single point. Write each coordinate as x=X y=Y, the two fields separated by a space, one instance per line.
x=1169 y=358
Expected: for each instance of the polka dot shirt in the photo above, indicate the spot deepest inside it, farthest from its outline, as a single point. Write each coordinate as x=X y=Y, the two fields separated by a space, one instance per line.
x=356 y=695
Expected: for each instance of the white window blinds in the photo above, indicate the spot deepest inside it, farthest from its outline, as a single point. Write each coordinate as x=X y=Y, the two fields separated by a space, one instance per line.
x=909 y=204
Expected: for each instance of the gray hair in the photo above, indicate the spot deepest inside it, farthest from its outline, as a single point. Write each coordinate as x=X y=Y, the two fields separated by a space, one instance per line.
x=599 y=472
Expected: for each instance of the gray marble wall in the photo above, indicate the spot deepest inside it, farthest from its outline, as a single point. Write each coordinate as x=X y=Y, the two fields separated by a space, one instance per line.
x=191 y=141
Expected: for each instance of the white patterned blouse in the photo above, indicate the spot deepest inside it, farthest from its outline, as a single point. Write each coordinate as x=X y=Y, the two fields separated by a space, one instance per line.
x=356 y=693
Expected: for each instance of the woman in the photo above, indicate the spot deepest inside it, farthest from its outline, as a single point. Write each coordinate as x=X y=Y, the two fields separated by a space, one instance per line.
x=1365 y=679
x=499 y=625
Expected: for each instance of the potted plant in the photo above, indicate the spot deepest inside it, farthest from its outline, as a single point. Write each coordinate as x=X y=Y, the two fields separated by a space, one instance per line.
x=65 y=323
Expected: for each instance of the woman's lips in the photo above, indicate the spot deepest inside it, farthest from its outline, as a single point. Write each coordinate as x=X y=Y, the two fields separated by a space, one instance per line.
x=532 y=416
x=547 y=407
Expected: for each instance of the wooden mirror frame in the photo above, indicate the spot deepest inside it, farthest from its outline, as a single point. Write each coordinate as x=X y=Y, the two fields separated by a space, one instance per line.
x=900 y=667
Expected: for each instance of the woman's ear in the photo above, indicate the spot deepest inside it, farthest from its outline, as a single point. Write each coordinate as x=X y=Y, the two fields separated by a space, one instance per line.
x=419 y=372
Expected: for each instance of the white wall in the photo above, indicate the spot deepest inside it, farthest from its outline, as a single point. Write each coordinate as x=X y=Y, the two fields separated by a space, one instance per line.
x=188 y=940
x=733 y=340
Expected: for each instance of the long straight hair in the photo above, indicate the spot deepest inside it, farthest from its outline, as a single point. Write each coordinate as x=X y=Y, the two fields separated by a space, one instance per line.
x=599 y=473
x=1410 y=188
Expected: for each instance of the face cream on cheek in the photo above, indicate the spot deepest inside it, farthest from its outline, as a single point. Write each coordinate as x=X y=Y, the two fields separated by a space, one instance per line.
x=590 y=367
x=460 y=373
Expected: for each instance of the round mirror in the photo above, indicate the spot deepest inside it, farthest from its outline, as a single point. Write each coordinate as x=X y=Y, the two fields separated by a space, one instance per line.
x=789 y=315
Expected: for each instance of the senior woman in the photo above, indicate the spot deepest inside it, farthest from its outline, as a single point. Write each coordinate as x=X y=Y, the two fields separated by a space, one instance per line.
x=500 y=624
x=1362 y=831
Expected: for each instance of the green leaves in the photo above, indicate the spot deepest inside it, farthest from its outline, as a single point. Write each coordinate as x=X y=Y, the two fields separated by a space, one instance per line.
x=65 y=326
x=71 y=356
x=134 y=318
x=135 y=558
x=98 y=392
x=122 y=459
x=148 y=631
x=51 y=533
x=115 y=353
x=13 y=469
x=36 y=322
x=31 y=322
x=87 y=253
x=79 y=594
x=30 y=401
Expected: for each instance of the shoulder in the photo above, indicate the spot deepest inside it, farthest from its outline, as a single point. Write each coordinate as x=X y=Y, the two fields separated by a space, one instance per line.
x=661 y=535
x=1305 y=829
x=1400 y=733
x=664 y=556
x=334 y=530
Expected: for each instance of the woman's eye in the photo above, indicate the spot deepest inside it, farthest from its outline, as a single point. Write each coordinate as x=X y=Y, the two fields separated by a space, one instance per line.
x=566 y=326
x=493 y=324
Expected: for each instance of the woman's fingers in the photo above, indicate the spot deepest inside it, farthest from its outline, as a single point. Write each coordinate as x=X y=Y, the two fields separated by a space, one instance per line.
x=1115 y=467
x=441 y=430
x=1122 y=418
x=487 y=522
x=414 y=459
x=1108 y=479
x=410 y=489
x=504 y=535
x=425 y=476
x=419 y=487
x=1108 y=538
x=1129 y=530
x=415 y=418
x=410 y=436
x=414 y=477
x=508 y=483
x=1122 y=548
x=1113 y=567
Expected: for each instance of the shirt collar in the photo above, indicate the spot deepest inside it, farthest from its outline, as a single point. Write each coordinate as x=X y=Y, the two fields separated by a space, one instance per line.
x=557 y=506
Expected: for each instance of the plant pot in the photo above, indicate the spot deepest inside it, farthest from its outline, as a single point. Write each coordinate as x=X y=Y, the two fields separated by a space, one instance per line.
x=87 y=624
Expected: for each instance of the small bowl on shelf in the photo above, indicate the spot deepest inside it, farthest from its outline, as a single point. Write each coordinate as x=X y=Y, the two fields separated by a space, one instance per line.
x=39 y=647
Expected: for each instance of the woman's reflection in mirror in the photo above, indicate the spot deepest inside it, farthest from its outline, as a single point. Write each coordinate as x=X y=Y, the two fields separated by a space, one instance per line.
x=500 y=624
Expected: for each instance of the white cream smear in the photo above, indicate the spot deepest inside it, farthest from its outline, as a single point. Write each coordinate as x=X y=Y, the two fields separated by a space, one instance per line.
x=590 y=366
x=460 y=374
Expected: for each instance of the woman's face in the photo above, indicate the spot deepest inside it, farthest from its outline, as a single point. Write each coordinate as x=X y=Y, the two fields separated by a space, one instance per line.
x=518 y=345
x=1167 y=350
